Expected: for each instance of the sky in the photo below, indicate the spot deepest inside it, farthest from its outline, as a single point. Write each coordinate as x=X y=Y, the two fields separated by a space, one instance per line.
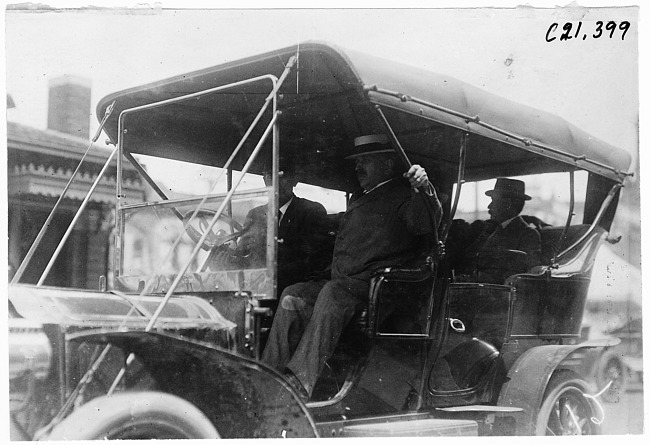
x=592 y=83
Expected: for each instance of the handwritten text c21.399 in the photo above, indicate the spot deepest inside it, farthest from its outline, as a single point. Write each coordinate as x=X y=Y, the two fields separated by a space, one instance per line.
x=572 y=30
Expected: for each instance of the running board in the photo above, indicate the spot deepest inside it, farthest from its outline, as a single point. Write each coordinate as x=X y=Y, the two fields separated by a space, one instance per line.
x=412 y=428
x=481 y=408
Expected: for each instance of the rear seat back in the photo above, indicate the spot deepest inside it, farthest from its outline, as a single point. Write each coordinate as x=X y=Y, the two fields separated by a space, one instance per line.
x=550 y=238
x=551 y=300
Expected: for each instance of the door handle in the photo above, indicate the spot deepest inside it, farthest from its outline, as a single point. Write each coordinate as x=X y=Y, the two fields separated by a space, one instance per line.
x=457 y=325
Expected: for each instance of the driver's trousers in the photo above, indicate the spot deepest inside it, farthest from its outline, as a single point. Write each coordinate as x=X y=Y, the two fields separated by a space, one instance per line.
x=308 y=323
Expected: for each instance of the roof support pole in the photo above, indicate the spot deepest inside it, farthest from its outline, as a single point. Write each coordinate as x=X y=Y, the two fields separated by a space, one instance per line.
x=209 y=228
x=151 y=182
x=601 y=212
x=459 y=182
x=569 y=216
x=181 y=273
x=231 y=190
x=56 y=253
x=41 y=233
x=402 y=155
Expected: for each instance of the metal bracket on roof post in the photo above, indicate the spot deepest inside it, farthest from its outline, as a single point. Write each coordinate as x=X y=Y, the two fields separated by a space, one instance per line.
x=624 y=174
x=107 y=114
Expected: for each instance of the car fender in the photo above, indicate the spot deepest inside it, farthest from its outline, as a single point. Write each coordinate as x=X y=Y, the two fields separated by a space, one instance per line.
x=241 y=397
x=529 y=377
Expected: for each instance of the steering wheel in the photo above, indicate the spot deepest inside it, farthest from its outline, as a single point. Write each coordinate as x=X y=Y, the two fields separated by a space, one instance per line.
x=200 y=223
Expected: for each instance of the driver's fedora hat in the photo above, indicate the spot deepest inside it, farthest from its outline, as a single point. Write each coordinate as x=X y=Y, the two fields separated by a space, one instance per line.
x=511 y=188
x=370 y=144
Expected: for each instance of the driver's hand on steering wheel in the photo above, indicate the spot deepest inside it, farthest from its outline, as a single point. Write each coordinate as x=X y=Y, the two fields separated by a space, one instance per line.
x=247 y=243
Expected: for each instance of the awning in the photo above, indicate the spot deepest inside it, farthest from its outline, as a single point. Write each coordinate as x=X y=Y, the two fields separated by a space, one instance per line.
x=39 y=180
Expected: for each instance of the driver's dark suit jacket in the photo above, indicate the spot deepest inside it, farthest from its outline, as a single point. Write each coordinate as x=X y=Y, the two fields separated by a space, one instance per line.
x=381 y=228
x=301 y=250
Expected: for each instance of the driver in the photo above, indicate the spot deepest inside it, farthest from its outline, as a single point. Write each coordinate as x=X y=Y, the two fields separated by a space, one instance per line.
x=505 y=230
x=300 y=253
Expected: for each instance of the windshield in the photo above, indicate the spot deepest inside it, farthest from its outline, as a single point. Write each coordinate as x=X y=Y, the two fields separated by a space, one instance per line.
x=158 y=240
x=204 y=224
x=180 y=179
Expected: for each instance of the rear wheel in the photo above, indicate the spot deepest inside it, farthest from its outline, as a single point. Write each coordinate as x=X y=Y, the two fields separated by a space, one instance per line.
x=136 y=415
x=566 y=411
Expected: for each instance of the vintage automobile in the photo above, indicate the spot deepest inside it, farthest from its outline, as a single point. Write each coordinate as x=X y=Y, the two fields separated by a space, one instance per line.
x=171 y=347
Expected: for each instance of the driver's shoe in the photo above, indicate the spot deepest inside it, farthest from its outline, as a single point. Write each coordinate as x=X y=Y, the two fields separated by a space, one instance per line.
x=297 y=385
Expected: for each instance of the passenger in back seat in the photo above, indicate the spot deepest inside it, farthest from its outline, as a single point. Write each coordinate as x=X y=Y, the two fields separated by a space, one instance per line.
x=482 y=251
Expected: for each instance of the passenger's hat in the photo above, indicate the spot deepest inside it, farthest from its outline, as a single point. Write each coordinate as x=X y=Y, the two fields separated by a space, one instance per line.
x=369 y=144
x=512 y=188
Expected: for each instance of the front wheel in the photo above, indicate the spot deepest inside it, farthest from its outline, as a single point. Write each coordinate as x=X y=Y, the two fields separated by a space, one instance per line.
x=566 y=411
x=133 y=416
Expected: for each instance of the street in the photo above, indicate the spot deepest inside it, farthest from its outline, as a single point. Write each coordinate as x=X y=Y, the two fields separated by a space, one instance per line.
x=626 y=416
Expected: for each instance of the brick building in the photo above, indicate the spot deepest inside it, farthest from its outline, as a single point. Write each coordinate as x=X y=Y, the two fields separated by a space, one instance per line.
x=40 y=163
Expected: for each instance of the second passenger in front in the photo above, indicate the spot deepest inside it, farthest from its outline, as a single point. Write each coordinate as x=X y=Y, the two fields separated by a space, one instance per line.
x=383 y=226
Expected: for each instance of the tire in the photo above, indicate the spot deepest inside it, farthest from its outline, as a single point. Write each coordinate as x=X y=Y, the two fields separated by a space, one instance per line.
x=565 y=410
x=611 y=369
x=135 y=415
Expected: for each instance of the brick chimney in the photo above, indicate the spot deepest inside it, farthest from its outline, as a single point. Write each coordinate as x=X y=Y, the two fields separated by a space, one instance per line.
x=69 y=106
